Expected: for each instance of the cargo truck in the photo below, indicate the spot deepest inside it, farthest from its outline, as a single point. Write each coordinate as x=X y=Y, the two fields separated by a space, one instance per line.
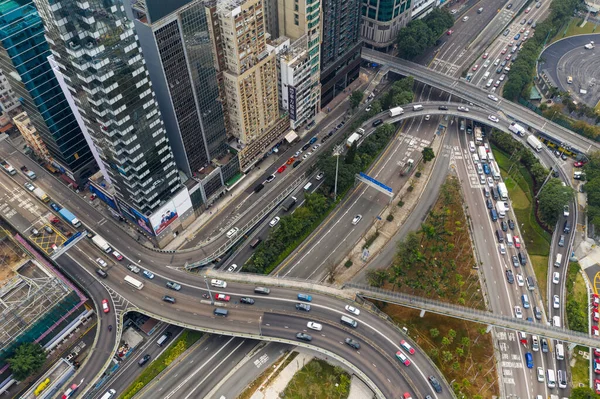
x=101 y=243
x=289 y=203
x=502 y=191
x=517 y=129
x=501 y=209
x=353 y=137
x=482 y=153
x=69 y=217
x=407 y=167
x=478 y=136
x=495 y=171
x=8 y=168
x=396 y=111
x=534 y=143
x=28 y=173
x=41 y=194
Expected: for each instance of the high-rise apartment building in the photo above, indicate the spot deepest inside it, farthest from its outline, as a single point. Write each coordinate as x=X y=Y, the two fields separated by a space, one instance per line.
x=179 y=56
x=299 y=60
x=381 y=21
x=247 y=70
x=9 y=104
x=340 y=46
x=96 y=49
x=24 y=59
x=31 y=135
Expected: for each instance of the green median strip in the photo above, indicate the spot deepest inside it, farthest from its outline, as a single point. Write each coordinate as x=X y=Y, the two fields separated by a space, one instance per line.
x=176 y=349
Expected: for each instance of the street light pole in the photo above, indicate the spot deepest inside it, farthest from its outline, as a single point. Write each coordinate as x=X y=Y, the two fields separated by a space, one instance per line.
x=209 y=293
x=337 y=151
x=259 y=323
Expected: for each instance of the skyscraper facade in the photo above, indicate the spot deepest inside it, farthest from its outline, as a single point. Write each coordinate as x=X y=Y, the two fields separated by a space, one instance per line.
x=340 y=46
x=95 y=47
x=179 y=56
x=248 y=73
x=382 y=20
x=24 y=55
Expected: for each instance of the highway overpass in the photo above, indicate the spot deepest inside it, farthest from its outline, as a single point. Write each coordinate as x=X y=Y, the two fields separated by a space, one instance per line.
x=462 y=89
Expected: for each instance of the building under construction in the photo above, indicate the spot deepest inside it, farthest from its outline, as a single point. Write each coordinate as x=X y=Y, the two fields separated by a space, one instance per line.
x=36 y=302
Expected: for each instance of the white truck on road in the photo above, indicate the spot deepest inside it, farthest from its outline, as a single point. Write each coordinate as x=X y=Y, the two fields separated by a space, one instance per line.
x=501 y=209
x=534 y=143
x=517 y=129
x=101 y=243
x=482 y=153
x=502 y=191
x=396 y=111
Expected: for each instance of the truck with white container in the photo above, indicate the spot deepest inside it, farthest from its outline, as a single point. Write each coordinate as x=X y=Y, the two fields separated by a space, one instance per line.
x=482 y=153
x=396 y=111
x=101 y=243
x=354 y=137
x=495 y=170
x=517 y=129
x=41 y=194
x=534 y=143
x=501 y=209
x=502 y=191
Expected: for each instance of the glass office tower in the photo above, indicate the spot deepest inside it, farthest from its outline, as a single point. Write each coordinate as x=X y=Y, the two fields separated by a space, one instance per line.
x=23 y=58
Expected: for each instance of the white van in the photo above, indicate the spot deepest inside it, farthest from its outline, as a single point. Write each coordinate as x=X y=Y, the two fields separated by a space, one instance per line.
x=560 y=350
x=232 y=232
x=417 y=107
x=509 y=239
x=558 y=261
x=308 y=186
x=556 y=321
x=551 y=378
x=489 y=83
x=218 y=283
x=471 y=146
x=109 y=394
x=486 y=75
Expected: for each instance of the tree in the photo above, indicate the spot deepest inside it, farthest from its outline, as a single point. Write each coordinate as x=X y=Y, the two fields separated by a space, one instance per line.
x=349 y=158
x=28 y=358
x=551 y=200
x=355 y=98
x=376 y=277
x=434 y=332
x=584 y=393
x=428 y=154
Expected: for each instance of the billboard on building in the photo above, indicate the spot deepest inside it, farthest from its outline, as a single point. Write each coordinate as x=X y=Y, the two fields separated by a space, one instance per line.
x=183 y=202
x=136 y=216
x=163 y=217
x=292 y=102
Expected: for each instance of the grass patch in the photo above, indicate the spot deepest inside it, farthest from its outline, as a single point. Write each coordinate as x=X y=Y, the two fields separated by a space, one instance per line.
x=580 y=371
x=520 y=189
x=176 y=349
x=573 y=28
x=577 y=300
x=318 y=379
x=278 y=365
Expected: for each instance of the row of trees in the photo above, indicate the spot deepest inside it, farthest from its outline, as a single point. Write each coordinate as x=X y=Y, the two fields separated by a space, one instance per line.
x=523 y=69
x=592 y=188
x=421 y=34
x=577 y=312
x=554 y=195
x=400 y=93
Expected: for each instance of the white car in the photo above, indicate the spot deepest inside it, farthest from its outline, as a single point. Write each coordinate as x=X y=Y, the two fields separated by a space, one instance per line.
x=494 y=118
x=232 y=232
x=274 y=221
x=320 y=175
x=492 y=97
x=101 y=262
x=356 y=219
x=218 y=283
x=555 y=302
x=540 y=374
x=297 y=153
x=427 y=117
x=368 y=109
x=462 y=109
x=502 y=249
x=148 y=274
x=352 y=310
x=490 y=182
x=520 y=280
x=518 y=312
x=232 y=267
x=555 y=277
x=314 y=326
x=29 y=186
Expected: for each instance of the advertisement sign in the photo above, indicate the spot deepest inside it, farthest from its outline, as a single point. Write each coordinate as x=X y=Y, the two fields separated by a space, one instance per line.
x=135 y=216
x=292 y=102
x=183 y=202
x=162 y=218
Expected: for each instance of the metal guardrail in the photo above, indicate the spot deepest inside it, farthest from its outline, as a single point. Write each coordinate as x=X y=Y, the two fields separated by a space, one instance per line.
x=249 y=225
x=474 y=315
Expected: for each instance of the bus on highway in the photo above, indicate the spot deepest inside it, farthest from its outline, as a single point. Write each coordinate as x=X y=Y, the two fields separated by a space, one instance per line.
x=133 y=282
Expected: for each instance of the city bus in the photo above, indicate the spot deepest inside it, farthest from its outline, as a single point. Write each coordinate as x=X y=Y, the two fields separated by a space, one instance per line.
x=133 y=282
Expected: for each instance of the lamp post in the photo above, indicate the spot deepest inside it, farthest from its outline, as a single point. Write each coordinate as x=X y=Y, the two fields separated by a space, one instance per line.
x=209 y=293
x=337 y=151
x=259 y=323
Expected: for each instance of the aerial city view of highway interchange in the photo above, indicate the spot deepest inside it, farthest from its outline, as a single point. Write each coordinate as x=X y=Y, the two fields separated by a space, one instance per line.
x=254 y=199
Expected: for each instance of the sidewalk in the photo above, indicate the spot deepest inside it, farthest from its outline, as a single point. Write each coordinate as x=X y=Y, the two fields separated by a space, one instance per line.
x=277 y=386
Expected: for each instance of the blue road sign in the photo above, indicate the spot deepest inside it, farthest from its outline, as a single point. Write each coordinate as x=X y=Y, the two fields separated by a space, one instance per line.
x=376 y=182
